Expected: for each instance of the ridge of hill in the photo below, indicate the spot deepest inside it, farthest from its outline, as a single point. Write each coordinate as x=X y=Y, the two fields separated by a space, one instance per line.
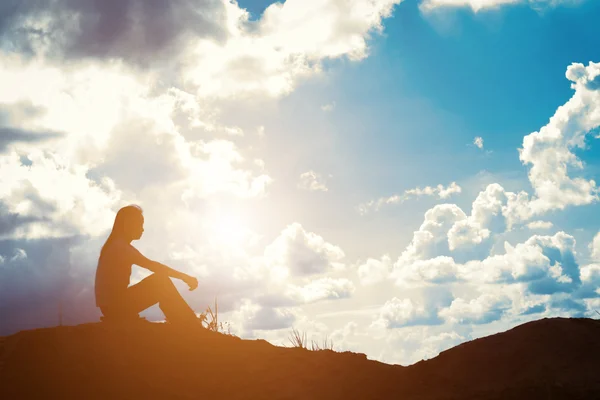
x=556 y=358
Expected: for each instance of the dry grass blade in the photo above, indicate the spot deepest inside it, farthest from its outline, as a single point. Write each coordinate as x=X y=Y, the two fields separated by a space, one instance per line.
x=298 y=339
x=213 y=323
x=327 y=344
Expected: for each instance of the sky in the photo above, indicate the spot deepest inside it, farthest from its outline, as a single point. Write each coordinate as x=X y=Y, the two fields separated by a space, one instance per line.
x=398 y=177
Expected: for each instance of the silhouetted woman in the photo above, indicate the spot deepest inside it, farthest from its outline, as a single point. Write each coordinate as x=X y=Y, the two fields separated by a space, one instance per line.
x=114 y=296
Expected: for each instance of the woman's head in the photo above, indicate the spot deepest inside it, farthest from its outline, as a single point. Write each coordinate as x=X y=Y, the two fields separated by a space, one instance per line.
x=129 y=223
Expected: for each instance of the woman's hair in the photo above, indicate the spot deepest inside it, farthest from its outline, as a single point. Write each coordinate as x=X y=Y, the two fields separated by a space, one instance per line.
x=123 y=219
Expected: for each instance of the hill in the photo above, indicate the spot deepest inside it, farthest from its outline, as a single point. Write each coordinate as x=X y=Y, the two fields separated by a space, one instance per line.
x=546 y=359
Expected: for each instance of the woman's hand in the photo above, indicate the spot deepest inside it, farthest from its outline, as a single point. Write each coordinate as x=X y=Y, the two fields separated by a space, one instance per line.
x=191 y=282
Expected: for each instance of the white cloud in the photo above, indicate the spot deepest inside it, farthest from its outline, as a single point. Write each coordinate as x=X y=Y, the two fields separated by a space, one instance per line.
x=541 y=225
x=438 y=191
x=545 y=263
x=590 y=274
x=322 y=289
x=594 y=247
x=478 y=142
x=435 y=344
x=312 y=181
x=417 y=273
x=347 y=338
x=374 y=270
x=52 y=198
x=397 y=313
x=431 y=240
x=550 y=150
x=408 y=345
x=466 y=233
x=251 y=316
x=479 y=5
x=301 y=253
x=288 y=43
x=481 y=310
x=109 y=118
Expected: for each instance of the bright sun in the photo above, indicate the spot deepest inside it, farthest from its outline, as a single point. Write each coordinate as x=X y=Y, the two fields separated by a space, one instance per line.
x=229 y=229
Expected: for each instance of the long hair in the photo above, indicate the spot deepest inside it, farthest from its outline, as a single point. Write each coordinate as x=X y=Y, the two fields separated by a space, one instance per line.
x=123 y=219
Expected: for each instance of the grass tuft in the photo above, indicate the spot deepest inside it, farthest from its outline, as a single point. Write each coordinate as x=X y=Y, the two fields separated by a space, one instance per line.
x=213 y=324
x=298 y=339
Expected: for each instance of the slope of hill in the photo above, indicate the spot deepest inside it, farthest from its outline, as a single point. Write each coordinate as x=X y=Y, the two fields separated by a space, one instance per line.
x=546 y=359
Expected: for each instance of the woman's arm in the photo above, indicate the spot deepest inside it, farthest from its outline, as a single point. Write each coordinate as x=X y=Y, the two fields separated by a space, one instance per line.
x=159 y=268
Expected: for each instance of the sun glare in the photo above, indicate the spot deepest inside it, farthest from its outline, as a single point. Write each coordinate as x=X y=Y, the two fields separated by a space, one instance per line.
x=230 y=230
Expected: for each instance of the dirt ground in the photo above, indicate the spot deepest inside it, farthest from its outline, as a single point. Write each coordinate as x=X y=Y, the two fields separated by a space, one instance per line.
x=547 y=359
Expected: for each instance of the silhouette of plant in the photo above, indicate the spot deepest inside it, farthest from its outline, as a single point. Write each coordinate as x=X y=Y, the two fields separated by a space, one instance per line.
x=214 y=324
x=326 y=345
x=298 y=339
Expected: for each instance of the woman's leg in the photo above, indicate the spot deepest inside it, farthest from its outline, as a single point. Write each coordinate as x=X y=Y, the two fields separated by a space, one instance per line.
x=158 y=288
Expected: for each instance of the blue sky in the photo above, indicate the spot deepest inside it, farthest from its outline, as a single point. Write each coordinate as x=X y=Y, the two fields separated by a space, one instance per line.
x=314 y=164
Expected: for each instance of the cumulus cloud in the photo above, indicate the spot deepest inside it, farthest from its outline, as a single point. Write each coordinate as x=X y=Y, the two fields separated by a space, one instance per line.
x=289 y=42
x=437 y=270
x=397 y=313
x=408 y=345
x=439 y=191
x=312 y=181
x=374 y=270
x=546 y=263
x=590 y=278
x=251 y=316
x=542 y=265
x=550 y=151
x=301 y=253
x=481 y=310
x=48 y=197
x=431 y=239
x=594 y=247
x=322 y=289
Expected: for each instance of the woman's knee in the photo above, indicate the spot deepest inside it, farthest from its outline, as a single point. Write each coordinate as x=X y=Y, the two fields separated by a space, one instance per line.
x=162 y=281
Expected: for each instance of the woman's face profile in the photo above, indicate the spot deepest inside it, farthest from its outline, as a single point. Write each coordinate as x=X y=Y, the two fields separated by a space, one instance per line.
x=136 y=228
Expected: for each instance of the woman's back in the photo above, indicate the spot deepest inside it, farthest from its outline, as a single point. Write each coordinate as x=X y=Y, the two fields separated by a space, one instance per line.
x=114 y=270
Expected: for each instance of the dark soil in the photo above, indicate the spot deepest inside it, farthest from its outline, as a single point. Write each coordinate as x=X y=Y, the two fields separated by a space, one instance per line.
x=547 y=359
